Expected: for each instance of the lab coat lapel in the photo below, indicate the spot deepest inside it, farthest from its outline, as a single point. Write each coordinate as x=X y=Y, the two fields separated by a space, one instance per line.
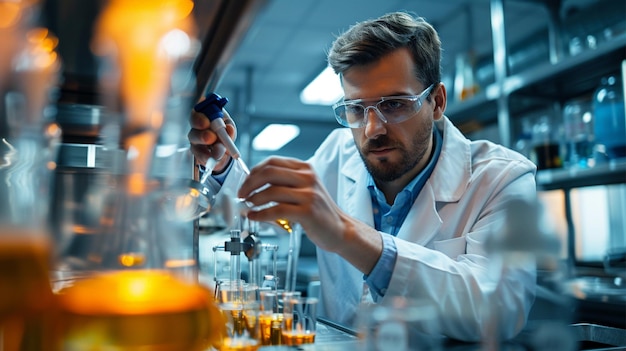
x=453 y=171
x=446 y=184
x=422 y=222
x=356 y=200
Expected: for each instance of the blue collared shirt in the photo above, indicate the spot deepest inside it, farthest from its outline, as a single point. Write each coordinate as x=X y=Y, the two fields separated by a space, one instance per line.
x=389 y=218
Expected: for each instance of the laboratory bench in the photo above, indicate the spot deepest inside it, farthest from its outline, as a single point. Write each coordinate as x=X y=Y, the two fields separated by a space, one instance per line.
x=590 y=337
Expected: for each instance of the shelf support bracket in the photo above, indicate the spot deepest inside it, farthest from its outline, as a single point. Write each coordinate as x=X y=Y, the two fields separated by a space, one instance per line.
x=500 y=69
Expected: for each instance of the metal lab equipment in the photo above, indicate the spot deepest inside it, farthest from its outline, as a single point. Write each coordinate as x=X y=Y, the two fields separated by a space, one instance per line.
x=256 y=253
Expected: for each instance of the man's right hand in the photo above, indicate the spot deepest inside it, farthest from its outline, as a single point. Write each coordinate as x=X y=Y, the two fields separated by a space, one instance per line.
x=205 y=143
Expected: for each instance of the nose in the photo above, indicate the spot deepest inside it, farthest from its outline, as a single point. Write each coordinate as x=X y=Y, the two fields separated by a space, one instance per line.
x=374 y=122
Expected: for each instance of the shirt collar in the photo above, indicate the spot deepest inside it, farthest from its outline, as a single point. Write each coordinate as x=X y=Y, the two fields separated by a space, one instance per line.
x=416 y=184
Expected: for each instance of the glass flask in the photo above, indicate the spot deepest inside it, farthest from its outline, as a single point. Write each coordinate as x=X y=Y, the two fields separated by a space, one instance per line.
x=29 y=68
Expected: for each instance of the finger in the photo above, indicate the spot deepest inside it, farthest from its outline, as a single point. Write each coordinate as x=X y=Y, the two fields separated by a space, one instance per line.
x=217 y=151
x=291 y=213
x=286 y=162
x=288 y=173
x=198 y=120
x=201 y=137
x=278 y=194
x=203 y=152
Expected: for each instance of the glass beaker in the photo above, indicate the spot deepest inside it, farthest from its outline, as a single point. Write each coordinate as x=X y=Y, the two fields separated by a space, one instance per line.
x=299 y=321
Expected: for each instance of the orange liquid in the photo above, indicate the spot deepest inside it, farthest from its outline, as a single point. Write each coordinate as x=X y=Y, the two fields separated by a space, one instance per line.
x=138 y=310
x=469 y=92
x=271 y=325
x=239 y=345
x=239 y=321
x=294 y=338
x=26 y=299
x=132 y=259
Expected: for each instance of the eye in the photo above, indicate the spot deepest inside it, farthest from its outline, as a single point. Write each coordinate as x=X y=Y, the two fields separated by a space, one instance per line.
x=395 y=105
x=354 y=109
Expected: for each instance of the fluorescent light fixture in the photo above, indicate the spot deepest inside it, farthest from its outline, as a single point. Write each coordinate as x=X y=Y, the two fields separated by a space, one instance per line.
x=275 y=136
x=325 y=89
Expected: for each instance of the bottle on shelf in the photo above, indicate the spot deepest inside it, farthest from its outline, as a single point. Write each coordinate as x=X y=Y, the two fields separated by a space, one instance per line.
x=579 y=136
x=546 y=146
x=610 y=120
x=465 y=85
x=523 y=143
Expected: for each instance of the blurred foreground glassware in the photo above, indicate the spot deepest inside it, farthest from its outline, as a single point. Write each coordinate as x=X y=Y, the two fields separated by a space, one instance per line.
x=398 y=323
x=130 y=310
x=139 y=290
x=29 y=68
x=525 y=250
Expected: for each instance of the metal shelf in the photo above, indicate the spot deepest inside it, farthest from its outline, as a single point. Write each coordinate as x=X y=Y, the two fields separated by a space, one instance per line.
x=540 y=86
x=480 y=109
x=572 y=76
x=613 y=172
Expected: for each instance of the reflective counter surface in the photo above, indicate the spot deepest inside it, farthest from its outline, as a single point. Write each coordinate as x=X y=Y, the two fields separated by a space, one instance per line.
x=333 y=337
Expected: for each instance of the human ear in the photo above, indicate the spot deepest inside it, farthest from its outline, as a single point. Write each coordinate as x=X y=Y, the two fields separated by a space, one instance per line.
x=439 y=98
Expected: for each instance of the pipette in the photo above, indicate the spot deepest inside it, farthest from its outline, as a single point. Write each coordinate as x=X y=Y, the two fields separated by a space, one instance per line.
x=212 y=107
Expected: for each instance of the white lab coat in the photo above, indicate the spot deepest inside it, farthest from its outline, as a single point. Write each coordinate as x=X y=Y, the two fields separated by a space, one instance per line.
x=441 y=256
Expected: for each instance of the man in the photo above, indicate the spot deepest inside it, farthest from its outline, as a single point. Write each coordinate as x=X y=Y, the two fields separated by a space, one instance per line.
x=400 y=203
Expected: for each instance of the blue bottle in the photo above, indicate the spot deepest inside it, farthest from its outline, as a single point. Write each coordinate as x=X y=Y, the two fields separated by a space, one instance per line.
x=610 y=119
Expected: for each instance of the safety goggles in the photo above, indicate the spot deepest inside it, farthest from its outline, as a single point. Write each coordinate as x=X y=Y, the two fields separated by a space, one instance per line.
x=390 y=109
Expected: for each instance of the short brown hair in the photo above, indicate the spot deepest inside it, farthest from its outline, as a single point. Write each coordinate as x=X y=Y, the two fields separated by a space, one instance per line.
x=368 y=41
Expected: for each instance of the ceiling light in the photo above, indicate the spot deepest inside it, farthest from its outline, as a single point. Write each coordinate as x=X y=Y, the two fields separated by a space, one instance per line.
x=275 y=136
x=325 y=89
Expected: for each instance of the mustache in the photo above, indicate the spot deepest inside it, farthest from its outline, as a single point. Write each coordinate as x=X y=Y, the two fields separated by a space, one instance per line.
x=380 y=142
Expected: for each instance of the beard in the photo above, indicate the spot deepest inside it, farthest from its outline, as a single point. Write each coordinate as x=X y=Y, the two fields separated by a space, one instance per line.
x=385 y=170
